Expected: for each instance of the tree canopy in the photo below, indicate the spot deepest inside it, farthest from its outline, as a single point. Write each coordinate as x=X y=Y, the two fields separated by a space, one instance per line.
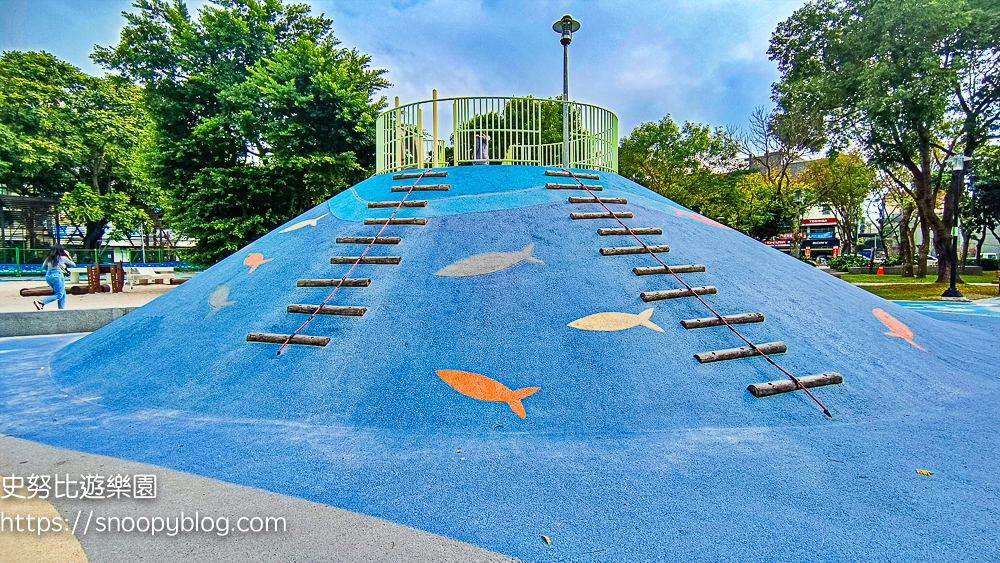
x=259 y=113
x=67 y=135
x=889 y=76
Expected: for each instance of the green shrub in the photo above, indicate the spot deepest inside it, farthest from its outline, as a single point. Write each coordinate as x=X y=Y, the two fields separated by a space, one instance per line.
x=893 y=261
x=842 y=263
x=989 y=264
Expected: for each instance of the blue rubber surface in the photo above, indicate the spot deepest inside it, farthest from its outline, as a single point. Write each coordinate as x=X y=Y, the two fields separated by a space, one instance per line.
x=631 y=450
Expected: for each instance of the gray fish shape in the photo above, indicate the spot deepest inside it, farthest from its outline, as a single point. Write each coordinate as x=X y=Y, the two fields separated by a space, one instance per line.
x=487 y=263
x=219 y=299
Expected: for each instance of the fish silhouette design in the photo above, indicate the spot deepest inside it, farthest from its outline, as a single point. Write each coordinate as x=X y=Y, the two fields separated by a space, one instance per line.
x=701 y=218
x=896 y=328
x=219 y=299
x=486 y=389
x=255 y=259
x=487 y=263
x=615 y=321
x=300 y=224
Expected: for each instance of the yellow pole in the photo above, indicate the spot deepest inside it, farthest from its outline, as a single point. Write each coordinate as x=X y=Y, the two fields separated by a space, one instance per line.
x=418 y=139
x=399 y=137
x=434 y=118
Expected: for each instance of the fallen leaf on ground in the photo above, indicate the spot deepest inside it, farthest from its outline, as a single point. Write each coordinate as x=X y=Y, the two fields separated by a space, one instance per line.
x=547 y=540
x=924 y=472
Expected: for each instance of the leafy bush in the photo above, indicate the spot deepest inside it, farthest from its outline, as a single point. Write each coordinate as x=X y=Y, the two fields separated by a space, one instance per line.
x=893 y=261
x=842 y=263
x=989 y=264
x=809 y=261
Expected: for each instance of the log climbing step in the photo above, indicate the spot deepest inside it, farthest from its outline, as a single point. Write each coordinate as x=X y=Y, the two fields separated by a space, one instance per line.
x=409 y=175
x=613 y=200
x=623 y=250
x=768 y=348
x=397 y=221
x=716 y=321
x=648 y=296
x=785 y=385
x=348 y=282
x=366 y=259
x=568 y=175
x=423 y=188
x=602 y=215
x=327 y=310
x=393 y=204
x=281 y=338
x=368 y=240
x=638 y=231
x=679 y=269
x=591 y=187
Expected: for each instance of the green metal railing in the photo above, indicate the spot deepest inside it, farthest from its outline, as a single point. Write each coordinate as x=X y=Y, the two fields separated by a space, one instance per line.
x=21 y=261
x=495 y=130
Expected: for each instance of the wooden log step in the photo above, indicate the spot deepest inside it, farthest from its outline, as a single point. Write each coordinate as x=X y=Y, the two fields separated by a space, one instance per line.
x=648 y=296
x=423 y=188
x=281 y=338
x=786 y=385
x=327 y=310
x=615 y=200
x=366 y=260
x=622 y=250
x=368 y=240
x=408 y=175
x=397 y=221
x=679 y=269
x=568 y=175
x=731 y=319
x=741 y=352
x=592 y=187
x=601 y=215
x=623 y=231
x=349 y=282
x=394 y=204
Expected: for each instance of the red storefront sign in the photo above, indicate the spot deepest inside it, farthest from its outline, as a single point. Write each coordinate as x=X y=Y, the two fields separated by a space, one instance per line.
x=821 y=221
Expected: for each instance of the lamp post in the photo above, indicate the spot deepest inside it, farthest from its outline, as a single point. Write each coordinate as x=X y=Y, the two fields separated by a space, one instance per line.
x=566 y=26
x=955 y=191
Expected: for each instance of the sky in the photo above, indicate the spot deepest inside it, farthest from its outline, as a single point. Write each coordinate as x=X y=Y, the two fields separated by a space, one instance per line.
x=698 y=60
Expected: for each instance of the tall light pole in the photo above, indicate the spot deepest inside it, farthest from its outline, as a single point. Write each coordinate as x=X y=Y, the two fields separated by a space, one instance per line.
x=955 y=192
x=566 y=26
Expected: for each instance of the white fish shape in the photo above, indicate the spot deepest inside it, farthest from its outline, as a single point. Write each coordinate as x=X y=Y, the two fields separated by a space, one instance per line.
x=219 y=299
x=487 y=263
x=300 y=224
x=615 y=321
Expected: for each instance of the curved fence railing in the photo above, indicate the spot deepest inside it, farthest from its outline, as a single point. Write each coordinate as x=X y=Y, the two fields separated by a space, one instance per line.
x=494 y=130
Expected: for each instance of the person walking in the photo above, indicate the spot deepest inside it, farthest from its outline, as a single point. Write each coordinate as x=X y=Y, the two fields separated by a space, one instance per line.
x=55 y=264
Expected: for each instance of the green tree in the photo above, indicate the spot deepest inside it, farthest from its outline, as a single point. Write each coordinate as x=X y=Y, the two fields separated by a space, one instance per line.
x=842 y=181
x=258 y=113
x=69 y=135
x=982 y=212
x=886 y=74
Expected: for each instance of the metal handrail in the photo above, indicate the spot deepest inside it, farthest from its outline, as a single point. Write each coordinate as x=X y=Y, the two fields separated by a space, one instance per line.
x=496 y=130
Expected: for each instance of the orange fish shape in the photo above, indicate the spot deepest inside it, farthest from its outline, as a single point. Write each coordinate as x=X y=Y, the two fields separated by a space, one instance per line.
x=896 y=328
x=486 y=389
x=701 y=218
x=255 y=259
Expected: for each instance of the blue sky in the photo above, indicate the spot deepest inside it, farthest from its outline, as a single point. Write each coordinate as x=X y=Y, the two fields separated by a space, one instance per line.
x=699 y=60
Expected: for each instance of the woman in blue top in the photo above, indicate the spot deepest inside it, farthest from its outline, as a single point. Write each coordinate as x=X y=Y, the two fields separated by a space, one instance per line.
x=55 y=263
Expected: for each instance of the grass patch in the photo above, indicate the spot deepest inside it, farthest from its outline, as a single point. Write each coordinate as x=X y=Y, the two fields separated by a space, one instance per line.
x=987 y=277
x=928 y=292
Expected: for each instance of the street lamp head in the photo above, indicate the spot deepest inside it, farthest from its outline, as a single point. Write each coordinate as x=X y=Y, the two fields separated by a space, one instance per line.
x=566 y=26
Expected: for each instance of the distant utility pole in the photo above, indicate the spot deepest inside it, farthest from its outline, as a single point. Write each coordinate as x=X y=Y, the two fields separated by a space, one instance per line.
x=566 y=26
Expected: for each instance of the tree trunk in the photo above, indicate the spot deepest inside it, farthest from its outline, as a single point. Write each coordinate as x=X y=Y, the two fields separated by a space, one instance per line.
x=906 y=240
x=95 y=230
x=979 y=248
x=924 y=246
x=965 y=251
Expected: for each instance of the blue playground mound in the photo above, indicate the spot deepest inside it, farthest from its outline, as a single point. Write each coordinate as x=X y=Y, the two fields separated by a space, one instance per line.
x=506 y=381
